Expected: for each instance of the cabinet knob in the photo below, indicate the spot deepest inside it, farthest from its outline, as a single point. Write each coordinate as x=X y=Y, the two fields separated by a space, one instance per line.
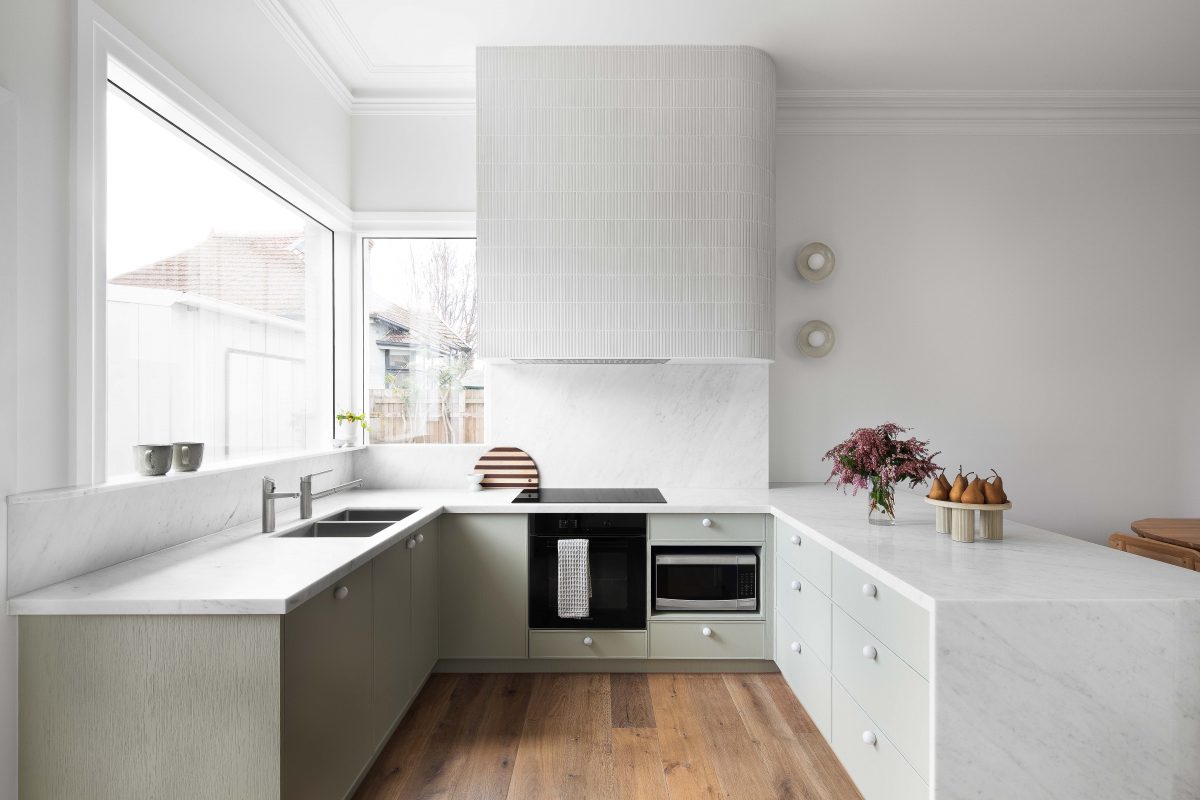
x=587 y=640
x=796 y=585
x=795 y=647
x=707 y=631
x=795 y=540
x=341 y=593
x=869 y=737
x=869 y=589
x=870 y=652
x=411 y=543
x=420 y=538
x=706 y=522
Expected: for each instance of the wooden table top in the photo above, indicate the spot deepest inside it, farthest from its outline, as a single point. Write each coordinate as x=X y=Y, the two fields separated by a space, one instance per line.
x=1183 y=532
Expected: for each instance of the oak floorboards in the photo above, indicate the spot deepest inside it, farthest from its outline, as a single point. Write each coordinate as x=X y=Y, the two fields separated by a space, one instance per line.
x=607 y=737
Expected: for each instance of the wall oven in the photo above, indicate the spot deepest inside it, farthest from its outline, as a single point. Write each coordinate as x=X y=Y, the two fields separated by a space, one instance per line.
x=616 y=545
x=705 y=579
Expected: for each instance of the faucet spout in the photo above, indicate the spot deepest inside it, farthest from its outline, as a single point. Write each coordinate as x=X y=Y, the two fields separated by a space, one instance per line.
x=269 y=496
x=307 y=495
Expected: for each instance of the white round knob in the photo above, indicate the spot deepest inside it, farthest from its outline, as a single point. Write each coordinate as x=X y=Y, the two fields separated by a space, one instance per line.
x=869 y=589
x=796 y=540
x=411 y=543
x=796 y=585
x=706 y=522
x=420 y=538
x=707 y=631
x=795 y=647
x=870 y=652
x=587 y=640
x=341 y=592
x=869 y=737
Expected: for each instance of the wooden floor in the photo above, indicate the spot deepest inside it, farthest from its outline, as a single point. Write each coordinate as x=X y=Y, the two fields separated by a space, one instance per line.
x=599 y=736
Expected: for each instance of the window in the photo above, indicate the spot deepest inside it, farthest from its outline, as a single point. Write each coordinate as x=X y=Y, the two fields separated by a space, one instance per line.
x=216 y=291
x=423 y=385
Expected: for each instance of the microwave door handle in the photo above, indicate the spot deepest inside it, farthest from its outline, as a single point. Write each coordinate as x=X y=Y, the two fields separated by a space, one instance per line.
x=694 y=559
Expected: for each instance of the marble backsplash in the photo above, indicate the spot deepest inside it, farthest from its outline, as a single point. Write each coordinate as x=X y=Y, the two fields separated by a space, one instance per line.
x=58 y=534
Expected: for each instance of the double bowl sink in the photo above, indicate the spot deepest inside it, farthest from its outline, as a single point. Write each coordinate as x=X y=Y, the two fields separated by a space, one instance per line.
x=350 y=523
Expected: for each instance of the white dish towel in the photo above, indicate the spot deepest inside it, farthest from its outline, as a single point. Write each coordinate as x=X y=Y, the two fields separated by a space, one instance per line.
x=574 y=579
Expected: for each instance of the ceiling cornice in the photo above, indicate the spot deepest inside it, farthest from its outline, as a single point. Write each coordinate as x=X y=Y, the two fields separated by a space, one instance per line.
x=364 y=88
x=821 y=112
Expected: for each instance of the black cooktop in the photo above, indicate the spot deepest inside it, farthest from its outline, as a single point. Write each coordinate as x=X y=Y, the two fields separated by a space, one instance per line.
x=591 y=496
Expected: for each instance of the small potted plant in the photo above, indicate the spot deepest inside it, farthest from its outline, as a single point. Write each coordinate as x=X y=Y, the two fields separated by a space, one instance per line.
x=348 y=425
x=875 y=458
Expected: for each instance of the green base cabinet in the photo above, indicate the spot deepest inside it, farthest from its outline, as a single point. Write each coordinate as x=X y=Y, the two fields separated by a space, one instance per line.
x=483 y=571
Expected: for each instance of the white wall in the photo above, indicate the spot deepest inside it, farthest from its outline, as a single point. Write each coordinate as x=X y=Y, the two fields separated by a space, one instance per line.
x=413 y=163
x=1027 y=303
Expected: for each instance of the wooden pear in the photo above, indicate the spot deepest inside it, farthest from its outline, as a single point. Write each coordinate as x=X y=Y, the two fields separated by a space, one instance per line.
x=960 y=486
x=940 y=488
x=993 y=489
x=973 y=494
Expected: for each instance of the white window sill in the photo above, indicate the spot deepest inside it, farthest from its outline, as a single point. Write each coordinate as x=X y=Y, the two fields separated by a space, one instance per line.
x=129 y=481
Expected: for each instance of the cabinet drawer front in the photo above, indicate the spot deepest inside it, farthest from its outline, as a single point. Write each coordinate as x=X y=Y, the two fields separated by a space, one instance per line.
x=726 y=639
x=810 y=559
x=889 y=690
x=899 y=622
x=878 y=769
x=572 y=644
x=804 y=607
x=804 y=672
x=721 y=527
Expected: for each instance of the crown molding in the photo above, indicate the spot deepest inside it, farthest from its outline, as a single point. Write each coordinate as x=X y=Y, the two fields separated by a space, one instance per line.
x=998 y=113
x=312 y=58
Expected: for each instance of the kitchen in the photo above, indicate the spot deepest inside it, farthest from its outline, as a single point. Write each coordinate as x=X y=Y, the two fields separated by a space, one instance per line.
x=638 y=335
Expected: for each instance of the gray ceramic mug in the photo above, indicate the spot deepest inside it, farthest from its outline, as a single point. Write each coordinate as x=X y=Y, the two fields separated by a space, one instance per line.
x=188 y=456
x=152 y=459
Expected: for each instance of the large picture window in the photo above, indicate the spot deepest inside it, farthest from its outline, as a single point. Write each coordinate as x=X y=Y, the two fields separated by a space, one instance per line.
x=423 y=383
x=216 y=290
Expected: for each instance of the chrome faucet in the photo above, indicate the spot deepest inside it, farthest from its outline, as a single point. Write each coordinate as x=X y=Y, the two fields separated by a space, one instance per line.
x=307 y=496
x=269 y=496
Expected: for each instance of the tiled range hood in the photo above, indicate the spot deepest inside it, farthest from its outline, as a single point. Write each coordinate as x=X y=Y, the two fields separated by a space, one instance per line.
x=626 y=208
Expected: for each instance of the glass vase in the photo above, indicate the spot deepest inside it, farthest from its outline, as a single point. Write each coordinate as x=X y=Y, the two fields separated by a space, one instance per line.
x=883 y=503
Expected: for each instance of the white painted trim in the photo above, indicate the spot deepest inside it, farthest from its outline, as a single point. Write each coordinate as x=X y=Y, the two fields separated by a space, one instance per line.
x=101 y=41
x=415 y=224
x=396 y=106
x=312 y=58
x=814 y=112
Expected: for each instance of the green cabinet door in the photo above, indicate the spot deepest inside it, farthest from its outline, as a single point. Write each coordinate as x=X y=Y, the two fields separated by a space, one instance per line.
x=424 y=650
x=326 y=713
x=392 y=677
x=483 y=585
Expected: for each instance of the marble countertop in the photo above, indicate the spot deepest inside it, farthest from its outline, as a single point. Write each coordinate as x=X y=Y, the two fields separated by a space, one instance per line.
x=244 y=571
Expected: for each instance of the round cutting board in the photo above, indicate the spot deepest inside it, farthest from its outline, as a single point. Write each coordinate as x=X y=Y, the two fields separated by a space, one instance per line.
x=507 y=468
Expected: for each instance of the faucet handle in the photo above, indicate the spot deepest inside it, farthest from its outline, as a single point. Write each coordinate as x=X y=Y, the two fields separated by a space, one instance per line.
x=312 y=475
x=268 y=483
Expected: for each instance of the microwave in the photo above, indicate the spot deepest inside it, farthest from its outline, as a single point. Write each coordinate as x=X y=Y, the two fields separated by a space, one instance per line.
x=697 y=579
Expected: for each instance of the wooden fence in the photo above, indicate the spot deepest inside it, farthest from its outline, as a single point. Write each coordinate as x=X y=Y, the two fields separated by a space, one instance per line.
x=460 y=421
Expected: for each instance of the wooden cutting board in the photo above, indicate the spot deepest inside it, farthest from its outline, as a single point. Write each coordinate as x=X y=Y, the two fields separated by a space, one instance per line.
x=507 y=468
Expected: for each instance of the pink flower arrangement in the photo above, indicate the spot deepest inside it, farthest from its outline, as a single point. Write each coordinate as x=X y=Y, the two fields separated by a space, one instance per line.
x=876 y=458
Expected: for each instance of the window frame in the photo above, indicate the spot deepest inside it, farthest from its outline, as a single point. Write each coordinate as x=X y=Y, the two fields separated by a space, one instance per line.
x=106 y=51
x=410 y=225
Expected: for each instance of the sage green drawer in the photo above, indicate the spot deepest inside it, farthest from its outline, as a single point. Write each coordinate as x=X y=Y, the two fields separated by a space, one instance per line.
x=805 y=608
x=874 y=764
x=899 y=622
x=889 y=690
x=812 y=560
x=587 y=644
x=724 y=639
x=807 y=676
x=720 y=527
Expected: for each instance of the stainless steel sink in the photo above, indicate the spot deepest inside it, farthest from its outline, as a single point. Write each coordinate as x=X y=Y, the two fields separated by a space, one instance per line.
x=335 y=529
x=370 y=515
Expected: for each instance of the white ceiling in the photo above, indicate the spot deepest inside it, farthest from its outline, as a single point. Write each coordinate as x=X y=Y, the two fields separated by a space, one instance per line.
x=426 y=47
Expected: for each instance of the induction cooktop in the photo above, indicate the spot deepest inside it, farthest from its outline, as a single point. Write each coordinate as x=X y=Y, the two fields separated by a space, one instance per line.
x=590 y=496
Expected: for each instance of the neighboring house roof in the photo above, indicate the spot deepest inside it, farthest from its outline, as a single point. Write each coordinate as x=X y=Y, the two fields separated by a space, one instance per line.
x=404 y=326
x=265 y=273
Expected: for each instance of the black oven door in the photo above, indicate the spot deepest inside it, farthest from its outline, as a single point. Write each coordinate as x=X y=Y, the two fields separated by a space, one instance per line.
x=618 y=574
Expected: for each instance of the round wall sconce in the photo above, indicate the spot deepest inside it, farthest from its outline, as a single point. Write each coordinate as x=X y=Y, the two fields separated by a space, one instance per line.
x=815 y=261
x=815 y=339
